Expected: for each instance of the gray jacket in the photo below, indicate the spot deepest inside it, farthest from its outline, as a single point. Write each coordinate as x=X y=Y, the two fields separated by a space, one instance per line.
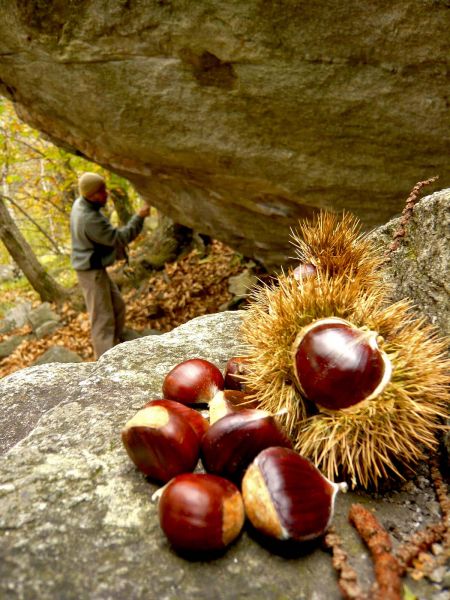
x=95 y=241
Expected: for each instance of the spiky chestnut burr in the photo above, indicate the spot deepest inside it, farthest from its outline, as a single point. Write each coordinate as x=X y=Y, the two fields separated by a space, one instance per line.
x=161 y=443
x=286 y=497
x=200 y=512
x=232 y=442
x=193 y=381
x=369 y=440
x=337 y=365
x=334 y=245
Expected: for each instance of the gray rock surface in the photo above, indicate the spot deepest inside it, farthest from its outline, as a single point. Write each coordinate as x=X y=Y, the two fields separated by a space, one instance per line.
x=46 y=329
x=76 y=518
x=8 y=346
x=420 y=268
x=6 y=326
x=58 y=354
x=41 y=315
x=19 y=314
x=237 y=118
x=7 y=273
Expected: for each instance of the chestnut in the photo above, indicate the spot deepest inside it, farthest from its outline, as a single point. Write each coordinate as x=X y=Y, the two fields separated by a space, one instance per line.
x=193 y=381
x=286 y=496
x=161 y=443
x=197 y=421
x=232 y=442
x=226 y=402
x=337 y=365
x=235 y=369
x=200 y=512
x=304 y=271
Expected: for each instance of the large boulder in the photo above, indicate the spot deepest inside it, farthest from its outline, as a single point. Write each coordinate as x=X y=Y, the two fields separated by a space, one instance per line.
x=420 y=268
x=237 y=118
x=76 y=517
x=57 y=354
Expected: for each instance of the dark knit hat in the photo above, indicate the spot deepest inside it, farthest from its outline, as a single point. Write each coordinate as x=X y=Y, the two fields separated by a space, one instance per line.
x=90 y=183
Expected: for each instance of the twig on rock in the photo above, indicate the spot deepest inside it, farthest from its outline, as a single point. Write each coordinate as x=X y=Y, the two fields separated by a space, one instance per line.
x=441 y=490
x=348 y=579
x=444 y=502
x=412 y=199
x=386 y=566
x=419 y=542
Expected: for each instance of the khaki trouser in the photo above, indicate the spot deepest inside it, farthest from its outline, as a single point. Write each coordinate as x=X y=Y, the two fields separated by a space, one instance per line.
x=105 y=306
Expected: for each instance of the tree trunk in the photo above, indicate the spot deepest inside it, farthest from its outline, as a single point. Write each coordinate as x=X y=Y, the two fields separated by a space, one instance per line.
x=21 y=252
x=52 y=242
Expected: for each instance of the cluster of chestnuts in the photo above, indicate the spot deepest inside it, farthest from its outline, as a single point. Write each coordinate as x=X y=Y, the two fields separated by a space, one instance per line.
x=250 y=467
x=363 y=379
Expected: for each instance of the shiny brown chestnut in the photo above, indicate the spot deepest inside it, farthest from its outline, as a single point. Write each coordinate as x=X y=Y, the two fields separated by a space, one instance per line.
x=286 y=496
x=232 y=442
x=193 y=381
x=197 y=421
x=226 y=402
x=200 y=512
x=235 y=370
x=338 y=365
x=161 y=443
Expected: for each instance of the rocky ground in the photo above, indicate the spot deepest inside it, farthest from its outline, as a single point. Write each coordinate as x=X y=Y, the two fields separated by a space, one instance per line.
x=77 y=519
x=88 y=491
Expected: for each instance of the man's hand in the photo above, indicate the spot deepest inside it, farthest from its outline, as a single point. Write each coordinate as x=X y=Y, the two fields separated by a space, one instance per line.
x=144 y=211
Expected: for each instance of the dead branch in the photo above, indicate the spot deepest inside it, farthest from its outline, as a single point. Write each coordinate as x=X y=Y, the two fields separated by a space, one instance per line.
x=419 y=542
x=348 y=578
x=386 y=567
x=411 y=201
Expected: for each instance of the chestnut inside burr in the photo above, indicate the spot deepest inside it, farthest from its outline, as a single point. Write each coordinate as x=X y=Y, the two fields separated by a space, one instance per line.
x=338 y=365
x=304 y=271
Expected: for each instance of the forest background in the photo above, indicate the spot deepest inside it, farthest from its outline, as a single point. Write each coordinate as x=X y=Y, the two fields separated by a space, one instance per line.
x=173 y=275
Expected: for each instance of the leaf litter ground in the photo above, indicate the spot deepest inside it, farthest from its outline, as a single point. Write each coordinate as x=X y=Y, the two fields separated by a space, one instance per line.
x=192 y=286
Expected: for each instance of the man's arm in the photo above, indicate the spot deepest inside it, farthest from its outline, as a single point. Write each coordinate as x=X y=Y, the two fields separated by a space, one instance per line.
x=100 y=230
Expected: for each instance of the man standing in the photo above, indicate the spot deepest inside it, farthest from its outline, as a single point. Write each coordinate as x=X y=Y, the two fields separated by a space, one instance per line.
x=95 y=243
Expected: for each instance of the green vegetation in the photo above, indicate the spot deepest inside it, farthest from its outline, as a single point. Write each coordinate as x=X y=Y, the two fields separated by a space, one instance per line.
x=38 y=181
x=38 y=184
